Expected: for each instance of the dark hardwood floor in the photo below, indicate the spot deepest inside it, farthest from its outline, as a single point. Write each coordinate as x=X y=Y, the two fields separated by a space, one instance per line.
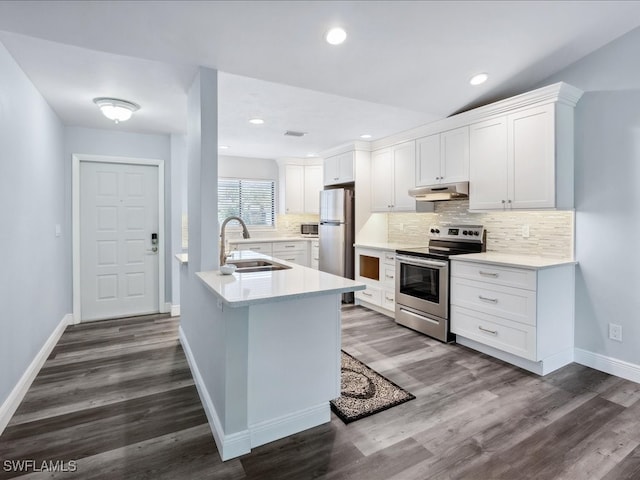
x=116 y=400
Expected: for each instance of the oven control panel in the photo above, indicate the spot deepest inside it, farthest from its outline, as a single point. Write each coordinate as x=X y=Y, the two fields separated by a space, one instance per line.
x=457 y=232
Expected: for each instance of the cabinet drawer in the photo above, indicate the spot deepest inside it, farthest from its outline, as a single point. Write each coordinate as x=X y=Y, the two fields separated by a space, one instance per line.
x=256 y=247
x=389 y=258
x=371 y=295
x=502 y=334
x=389 y=299
x=509 y=276
x=284 y=247
x=299 y=258
x=511 y=303
x=389 y=276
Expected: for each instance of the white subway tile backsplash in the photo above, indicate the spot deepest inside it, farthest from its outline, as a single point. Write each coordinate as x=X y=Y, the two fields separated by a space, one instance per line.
x=550 y=232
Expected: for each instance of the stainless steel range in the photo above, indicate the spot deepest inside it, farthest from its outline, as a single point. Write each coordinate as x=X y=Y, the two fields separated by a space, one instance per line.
x=422 y=278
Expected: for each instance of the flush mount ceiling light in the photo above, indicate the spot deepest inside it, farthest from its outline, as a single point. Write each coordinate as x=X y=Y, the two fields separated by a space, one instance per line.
x=116 y=109
x=223 y=147
x=365 y=136
x=336 y=36
x=256 y=121
x=479 y=79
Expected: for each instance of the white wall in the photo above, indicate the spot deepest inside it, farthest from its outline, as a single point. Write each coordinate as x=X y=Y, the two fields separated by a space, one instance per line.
x=124 y=144
x=243 y=167
x=35 y=278
x=607 y=175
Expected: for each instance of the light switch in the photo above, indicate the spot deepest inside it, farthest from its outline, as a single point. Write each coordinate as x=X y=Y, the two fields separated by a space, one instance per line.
x=58 y=230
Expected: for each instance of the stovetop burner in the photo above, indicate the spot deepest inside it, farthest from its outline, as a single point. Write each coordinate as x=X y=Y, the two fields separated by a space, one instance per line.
x=451 y=240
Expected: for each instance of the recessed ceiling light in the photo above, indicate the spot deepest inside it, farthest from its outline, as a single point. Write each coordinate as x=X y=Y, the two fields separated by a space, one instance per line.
x=223 y=147
x=478 y=79
x=365 y=136
x=336 y=36
x=312 y=154
x=256 y=121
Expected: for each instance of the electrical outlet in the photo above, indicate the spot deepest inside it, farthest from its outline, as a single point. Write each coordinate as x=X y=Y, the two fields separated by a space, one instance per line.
x=525 y=231
x=615 y=332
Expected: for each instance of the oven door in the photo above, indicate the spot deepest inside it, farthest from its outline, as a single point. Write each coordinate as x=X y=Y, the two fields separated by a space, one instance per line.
x=423 y=284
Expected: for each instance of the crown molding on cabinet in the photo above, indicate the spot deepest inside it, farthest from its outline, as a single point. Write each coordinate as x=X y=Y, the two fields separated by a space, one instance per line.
x=556 y=93
x=347 y=147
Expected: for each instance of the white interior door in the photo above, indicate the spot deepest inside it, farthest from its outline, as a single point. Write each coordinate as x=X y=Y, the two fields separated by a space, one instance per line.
x=118 y=258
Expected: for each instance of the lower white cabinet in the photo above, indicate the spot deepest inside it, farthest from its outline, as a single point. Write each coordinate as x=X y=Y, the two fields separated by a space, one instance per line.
x=291 y=251
x=524 y=316
x=294 y=251
x=315 y=254
x=377 y=269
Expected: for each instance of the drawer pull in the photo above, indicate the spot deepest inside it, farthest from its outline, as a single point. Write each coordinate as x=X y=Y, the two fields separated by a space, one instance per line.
x=289 y=246
x=487 y=299
x=390 y=277
x=388 y=299
x=492 y=332
x=488 y=274
x=367 y=294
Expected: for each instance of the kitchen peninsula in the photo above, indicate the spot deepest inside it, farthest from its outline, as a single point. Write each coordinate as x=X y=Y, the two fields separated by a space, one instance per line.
x=274 y=361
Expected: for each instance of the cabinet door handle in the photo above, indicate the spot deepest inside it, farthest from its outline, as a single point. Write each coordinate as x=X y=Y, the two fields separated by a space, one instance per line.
x=486 y=299
x=388 y=299
x=492 y=332
x=390 y=277
x=488 y=274
x=367 y=294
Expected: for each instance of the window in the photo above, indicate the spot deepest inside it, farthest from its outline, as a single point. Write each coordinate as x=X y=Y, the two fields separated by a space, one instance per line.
x=252 y=200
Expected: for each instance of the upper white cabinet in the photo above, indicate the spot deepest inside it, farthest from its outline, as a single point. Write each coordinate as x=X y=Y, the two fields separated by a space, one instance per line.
x=523 y=160
x=392 y=175
x=294 y=188
x=339 y=168
x=301 y=188
x=443 y=157
x=312 y=187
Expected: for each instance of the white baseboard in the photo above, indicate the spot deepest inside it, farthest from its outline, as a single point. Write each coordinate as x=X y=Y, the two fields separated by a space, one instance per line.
x=286 y=425
x=541 y=368
x=166 y=308
x=11 y=404
x=229 y=446
x=612 y=366
x=175 y=310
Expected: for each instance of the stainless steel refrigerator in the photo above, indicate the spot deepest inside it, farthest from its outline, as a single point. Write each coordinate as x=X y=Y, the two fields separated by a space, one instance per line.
x=336 y=234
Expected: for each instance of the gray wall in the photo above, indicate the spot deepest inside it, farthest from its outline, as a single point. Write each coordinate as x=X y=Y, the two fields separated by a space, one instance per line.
x=123 y=144
x=243 y=167
x=607 y=178
x=35 y=278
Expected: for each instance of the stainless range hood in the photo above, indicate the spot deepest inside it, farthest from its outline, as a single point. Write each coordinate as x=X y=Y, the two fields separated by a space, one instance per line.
x=444 y=191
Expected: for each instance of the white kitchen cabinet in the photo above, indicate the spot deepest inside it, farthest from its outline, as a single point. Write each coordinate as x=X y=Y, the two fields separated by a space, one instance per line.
x=392 y=175
x=294 y=195
x=376 y=268
x=521 y=315
x=294 y=251
x=339 y=168
x=521 y=160
x=300 y=189
x=315 y=254
x=260 y=247
x=312 y=188
x=443 y=157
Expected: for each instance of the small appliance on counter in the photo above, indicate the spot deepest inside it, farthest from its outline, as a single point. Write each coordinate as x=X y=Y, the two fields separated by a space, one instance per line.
x=422 y=278
x=309 y=229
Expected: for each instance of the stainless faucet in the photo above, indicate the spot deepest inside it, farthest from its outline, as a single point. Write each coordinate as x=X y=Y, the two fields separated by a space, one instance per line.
x=245 y=234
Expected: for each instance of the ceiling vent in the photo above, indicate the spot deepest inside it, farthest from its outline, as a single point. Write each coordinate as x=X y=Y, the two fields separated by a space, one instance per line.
x=292 y=133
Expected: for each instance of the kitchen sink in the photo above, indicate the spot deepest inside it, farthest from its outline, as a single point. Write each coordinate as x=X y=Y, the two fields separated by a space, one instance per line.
x=248 y=266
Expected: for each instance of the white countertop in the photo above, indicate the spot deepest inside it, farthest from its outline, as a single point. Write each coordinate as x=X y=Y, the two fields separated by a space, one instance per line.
x=251 y=288
x=388 y=246
x=269 y=239
x=182 y=257
x=513 y=260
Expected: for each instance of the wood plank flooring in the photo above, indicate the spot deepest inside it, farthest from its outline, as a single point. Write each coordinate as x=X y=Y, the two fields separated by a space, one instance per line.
x=117 y=398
